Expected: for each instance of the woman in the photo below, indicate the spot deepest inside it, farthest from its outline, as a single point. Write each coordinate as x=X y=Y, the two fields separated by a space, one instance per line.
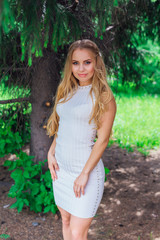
x=84 y=108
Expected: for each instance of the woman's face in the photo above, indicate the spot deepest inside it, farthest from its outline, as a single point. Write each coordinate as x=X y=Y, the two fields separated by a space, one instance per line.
x=83 y=63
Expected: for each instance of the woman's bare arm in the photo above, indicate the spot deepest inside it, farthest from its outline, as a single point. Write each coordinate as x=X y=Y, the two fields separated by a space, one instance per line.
x=52 y=147
x=52 y=162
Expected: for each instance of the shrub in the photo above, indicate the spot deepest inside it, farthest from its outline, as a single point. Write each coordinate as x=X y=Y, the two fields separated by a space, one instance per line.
x=14 y=127
x=106 y=172
x=32 y=187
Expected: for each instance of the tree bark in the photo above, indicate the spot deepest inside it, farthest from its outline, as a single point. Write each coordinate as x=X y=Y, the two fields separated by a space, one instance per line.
x=44 y=84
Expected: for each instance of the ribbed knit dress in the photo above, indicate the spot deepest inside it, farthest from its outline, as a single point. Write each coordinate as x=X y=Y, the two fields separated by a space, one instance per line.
x=74 y=143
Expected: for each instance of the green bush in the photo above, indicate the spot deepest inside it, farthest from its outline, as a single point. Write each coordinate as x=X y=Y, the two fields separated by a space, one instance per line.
x=14 y=117
x=14 y=127
x=106 y=172
x=32 y=187
x=150 y=66
x=4 y=236
x=9 y=141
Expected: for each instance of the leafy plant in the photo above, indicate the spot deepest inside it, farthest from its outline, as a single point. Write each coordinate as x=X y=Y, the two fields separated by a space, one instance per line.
x=32 y=187
x=4 y=236
x=106 y=172
x=14 y=127
x=9 y=140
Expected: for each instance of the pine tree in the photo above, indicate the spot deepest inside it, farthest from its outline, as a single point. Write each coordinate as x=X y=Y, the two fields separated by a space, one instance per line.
x=38 y=33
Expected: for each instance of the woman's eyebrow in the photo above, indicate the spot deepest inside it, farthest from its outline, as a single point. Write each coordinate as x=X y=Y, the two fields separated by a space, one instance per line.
x=83 y=61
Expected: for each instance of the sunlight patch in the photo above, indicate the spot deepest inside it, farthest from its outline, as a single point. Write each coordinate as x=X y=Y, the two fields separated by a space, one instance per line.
x=139 y=213
x=157 y=194
x=134 y=187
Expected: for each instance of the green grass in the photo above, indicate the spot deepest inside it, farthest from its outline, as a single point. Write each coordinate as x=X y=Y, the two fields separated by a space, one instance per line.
x=12 y=91
x=137 y=122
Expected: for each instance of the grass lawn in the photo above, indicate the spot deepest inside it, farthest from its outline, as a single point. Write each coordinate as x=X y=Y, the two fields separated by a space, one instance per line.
x=137 y=122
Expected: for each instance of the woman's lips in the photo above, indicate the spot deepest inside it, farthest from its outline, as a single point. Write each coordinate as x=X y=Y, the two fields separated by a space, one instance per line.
x=82 y=75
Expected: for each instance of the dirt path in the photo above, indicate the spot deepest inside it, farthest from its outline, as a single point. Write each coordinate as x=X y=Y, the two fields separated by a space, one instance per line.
x=130 y=208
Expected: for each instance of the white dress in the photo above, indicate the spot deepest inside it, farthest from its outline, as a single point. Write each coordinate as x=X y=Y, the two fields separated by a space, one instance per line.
x=74 y=142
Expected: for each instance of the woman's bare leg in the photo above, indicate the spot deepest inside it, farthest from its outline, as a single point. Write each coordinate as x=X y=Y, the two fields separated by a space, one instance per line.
x=79 y=227
x=65 y=224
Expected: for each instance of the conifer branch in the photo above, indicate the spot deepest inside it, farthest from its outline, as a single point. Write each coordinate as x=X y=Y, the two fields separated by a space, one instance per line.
x=74 y=5
x=15 y=100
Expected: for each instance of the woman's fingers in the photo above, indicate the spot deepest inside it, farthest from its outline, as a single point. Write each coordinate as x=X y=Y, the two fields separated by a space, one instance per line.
x=56 y=166
x=78 y=190
x=82 y=190
x=53 y=167
x=52 y=175
x=80 y=183
x=75 y=189
x=52 y=172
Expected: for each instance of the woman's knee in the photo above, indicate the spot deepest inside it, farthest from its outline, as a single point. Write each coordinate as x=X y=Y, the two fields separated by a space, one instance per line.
x=78 y=233
x=79 y=227
x=66 y=221
x=65 y=217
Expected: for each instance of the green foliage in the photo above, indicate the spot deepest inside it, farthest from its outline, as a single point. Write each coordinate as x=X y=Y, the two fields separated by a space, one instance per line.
x=48 y=21
x=6 y=17
x=136 y=21
x=4 y=236
x=101 y=12
x=150 y=66
x=14 y=127
x=52 y=23
x=32 y=187
x=14 y=119
x=9 y=141
x=106 y=172
x=120 y=26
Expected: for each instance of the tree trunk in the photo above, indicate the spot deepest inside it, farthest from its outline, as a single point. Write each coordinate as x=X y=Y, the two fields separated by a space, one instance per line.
x=44 y=84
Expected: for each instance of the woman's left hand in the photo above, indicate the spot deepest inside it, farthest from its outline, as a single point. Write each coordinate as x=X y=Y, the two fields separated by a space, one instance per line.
x=80 y=183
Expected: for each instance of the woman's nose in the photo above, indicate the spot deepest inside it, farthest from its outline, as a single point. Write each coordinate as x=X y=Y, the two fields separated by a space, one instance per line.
x=81 y=67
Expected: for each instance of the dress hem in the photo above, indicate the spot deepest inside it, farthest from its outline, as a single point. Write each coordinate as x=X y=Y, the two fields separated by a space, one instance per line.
x=75 y=215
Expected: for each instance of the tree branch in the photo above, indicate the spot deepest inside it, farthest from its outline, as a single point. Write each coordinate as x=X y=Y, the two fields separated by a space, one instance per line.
x=14 y=69
x=15 y=100
x=73 y=6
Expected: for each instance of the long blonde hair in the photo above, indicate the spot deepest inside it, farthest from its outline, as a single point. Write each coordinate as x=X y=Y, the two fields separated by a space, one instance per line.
x=102 y=91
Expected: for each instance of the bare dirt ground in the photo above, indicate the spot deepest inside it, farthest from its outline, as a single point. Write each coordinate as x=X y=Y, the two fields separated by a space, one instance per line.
x=130 y=208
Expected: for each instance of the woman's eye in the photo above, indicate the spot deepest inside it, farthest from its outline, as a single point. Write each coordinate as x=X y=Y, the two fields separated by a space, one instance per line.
x=76 y=63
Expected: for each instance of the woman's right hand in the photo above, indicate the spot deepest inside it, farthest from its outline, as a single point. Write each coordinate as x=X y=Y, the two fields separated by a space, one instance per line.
x=53 y=166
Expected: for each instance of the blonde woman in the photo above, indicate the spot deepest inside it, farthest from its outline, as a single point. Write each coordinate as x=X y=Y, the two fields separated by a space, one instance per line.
x=84 y=108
